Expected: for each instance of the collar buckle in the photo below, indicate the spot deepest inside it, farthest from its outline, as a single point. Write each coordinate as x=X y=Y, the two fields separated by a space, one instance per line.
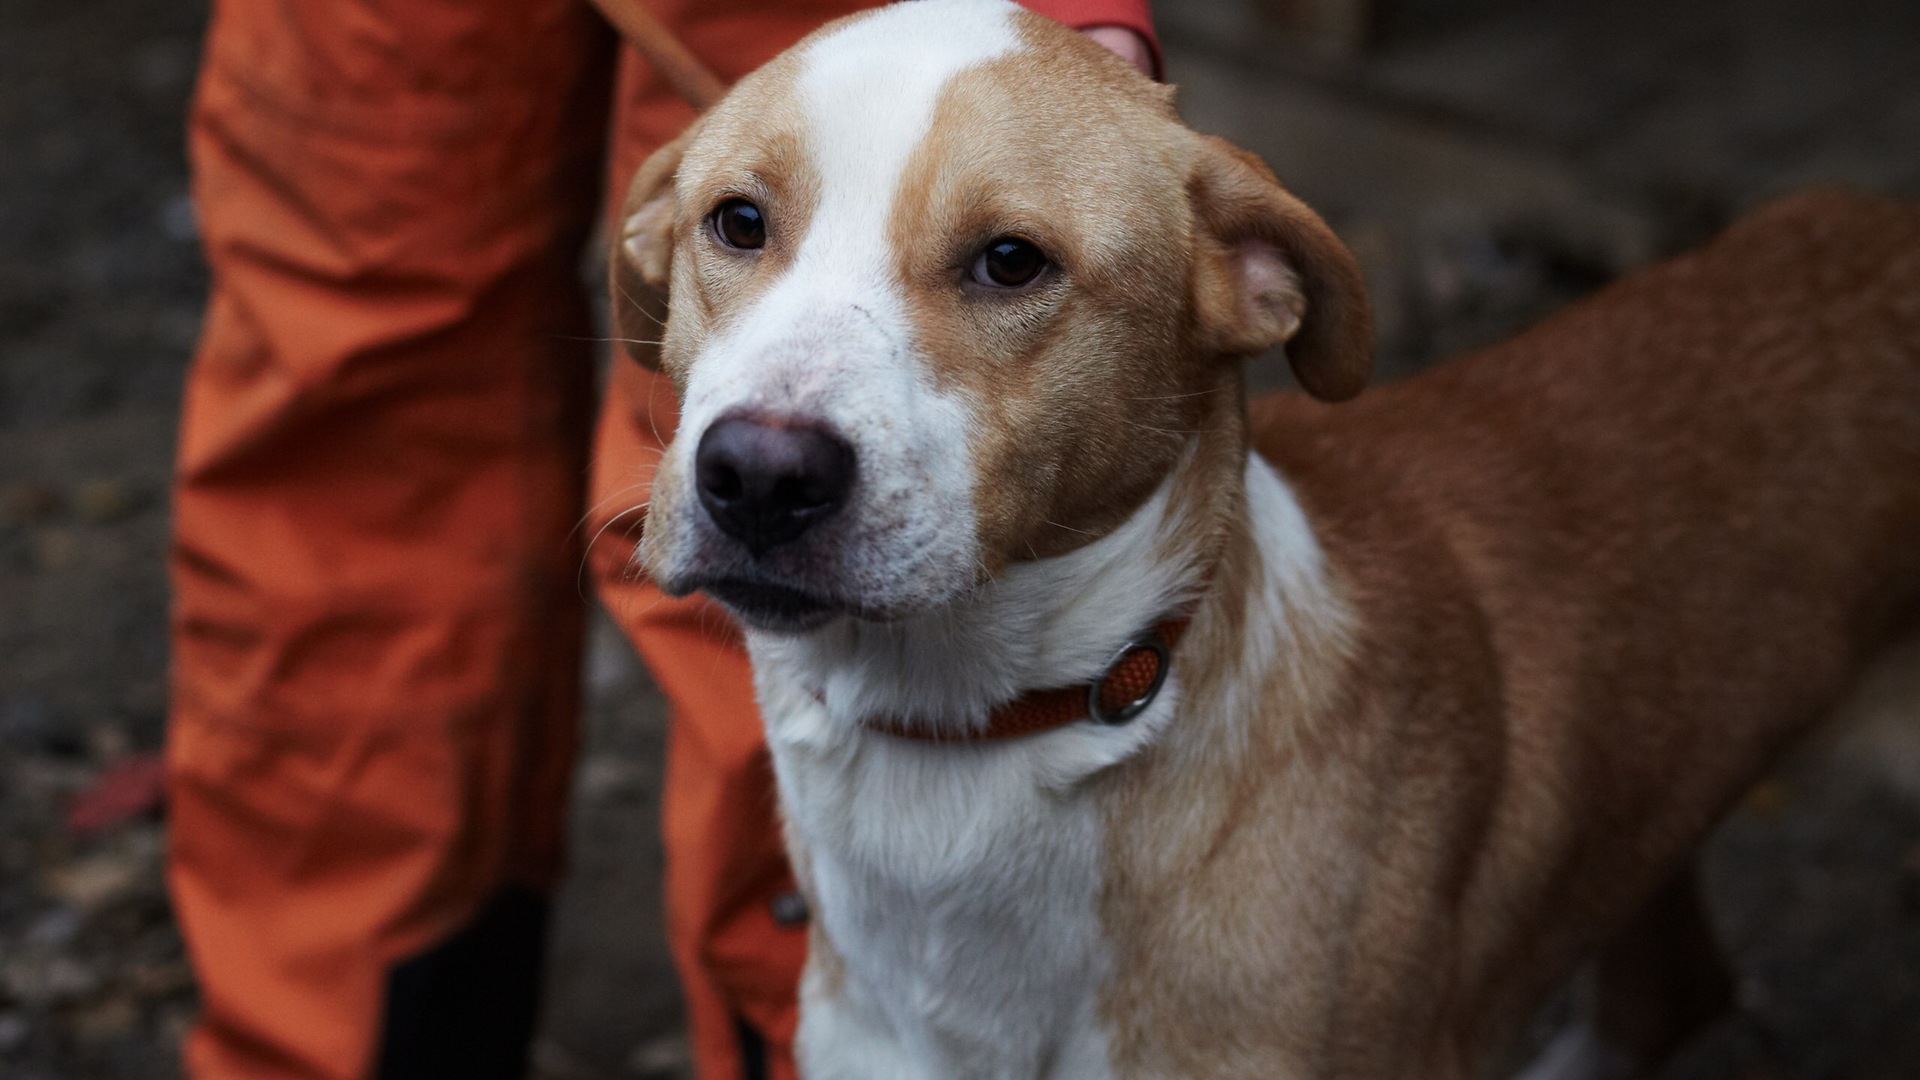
x=1127 y=673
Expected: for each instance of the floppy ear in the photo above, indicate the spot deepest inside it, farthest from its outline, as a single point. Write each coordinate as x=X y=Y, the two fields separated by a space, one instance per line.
x=1270 y=271
x=642 y=253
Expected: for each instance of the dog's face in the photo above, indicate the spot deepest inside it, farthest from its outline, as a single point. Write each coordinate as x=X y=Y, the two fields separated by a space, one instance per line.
x=947 y=285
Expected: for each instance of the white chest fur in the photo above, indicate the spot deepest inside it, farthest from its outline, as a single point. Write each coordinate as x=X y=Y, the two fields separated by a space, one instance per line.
x=959 y=884
x=959 y=891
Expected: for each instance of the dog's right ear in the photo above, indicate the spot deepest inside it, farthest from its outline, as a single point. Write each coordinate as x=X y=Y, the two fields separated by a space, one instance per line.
x=1270 y=271
x=642 y=253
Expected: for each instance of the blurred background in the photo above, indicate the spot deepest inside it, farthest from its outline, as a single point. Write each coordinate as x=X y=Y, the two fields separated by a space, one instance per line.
x=1489 y=160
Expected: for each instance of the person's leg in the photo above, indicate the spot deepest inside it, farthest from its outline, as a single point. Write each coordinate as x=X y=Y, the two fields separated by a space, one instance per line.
x=377 y=621
x=731 y=922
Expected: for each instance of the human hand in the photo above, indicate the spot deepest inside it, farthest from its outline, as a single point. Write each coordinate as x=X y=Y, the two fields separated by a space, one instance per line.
x=1125 y=43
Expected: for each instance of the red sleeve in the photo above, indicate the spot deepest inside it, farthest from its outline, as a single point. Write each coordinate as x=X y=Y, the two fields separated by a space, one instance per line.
x=1135 y=15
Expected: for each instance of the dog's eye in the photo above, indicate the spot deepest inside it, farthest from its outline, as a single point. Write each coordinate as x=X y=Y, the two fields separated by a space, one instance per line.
x=740 y=225
x=1008 y=264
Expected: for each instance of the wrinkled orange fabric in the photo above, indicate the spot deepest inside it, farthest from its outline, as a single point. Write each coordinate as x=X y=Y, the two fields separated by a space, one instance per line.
x=382 y=475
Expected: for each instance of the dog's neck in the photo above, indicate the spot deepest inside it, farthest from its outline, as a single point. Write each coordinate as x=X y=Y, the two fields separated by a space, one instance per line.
x=1039 y=624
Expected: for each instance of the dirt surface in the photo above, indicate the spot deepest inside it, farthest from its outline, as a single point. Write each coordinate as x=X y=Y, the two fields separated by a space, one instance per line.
x=1490 y=160
x=100 y=291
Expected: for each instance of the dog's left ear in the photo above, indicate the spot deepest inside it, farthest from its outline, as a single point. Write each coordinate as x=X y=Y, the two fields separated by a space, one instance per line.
x=642 y=254
x=1270 y=271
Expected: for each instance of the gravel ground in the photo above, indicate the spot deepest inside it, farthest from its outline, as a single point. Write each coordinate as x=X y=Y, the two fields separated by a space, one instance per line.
x=100 y=289
x=1490 y=161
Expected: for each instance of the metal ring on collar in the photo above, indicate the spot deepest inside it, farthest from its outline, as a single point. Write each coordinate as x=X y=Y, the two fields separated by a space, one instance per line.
x=1163 y=660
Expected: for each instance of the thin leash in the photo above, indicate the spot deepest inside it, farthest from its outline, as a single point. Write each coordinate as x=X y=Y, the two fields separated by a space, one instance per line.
x=693 y=80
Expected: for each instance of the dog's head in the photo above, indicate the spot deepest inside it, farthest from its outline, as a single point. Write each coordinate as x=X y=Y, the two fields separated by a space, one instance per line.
x=949 y=285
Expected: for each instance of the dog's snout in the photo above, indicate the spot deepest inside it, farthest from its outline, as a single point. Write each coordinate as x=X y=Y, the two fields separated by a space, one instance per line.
x=765 y=483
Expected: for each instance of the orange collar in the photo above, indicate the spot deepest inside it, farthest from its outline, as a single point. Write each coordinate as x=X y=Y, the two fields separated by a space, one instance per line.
x=1130 y=683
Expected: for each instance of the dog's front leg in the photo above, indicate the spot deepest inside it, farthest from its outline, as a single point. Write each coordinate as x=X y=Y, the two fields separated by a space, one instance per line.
x=836 y=1042
x=1654 y=987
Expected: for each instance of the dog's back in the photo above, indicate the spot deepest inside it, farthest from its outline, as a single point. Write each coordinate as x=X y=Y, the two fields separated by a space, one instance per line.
x=1664 y=531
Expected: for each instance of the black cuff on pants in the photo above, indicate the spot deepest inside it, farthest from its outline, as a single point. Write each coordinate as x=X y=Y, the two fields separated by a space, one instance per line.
x=465 y=1009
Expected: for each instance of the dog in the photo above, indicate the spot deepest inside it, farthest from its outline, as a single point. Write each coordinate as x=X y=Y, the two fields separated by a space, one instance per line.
x=1126 y=728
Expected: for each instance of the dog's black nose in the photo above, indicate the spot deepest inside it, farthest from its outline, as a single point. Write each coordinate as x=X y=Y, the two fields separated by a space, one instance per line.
x=765 y=483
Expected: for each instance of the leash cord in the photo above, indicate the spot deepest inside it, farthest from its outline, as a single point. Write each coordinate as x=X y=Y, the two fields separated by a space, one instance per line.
x=694 y=81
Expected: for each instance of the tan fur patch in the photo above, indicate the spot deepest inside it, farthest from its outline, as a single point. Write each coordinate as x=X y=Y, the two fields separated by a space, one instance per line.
x=1086 y=388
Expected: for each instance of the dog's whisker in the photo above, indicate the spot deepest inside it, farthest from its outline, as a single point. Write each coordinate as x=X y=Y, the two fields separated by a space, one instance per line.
x=1178 y=397
x=1161 y=430
x=653 y=422
x=586 y=555
x=602 y=340
x=616 y=496
x=639 y=307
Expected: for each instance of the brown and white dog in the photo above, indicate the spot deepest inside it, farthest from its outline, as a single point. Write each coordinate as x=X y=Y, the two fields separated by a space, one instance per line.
x=1468 y=665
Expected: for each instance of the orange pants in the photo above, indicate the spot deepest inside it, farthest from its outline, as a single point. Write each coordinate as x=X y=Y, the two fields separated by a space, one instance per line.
x=383 y=467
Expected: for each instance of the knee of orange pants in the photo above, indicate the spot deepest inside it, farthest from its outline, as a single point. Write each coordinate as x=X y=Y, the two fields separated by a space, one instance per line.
x=376 y=625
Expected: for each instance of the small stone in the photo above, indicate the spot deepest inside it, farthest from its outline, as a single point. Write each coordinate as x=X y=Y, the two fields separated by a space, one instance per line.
x=548 y=1060
x=56 y=550
x=612 y=666
x=70 y=979
x=95 y=881
x=179 y=220
x=14 y=1030
x=158 y=979
x=103 y=500
x=109 y=742
x=603 y=778
x=30 y=723
x=666 y=1056
x=24 y=504
x=56 y=927
x=41 y=982
x=52 y=779
x=173 y=1025
x=114 y=1018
